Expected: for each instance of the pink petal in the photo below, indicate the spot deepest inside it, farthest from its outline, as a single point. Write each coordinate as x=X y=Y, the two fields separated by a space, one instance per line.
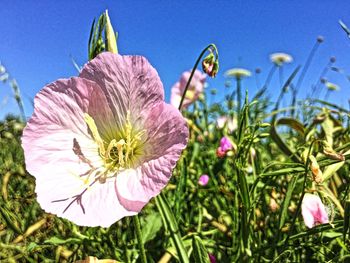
x=48 y=146
x=313 y=210
x=203 y=180
x=167 y=137
x=128 y=82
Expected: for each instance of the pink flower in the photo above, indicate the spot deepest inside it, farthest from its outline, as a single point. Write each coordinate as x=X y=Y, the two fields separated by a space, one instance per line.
x=203 y=180
x=225 y=144
x=313 y=211
x=101 y=145
x=194 y=90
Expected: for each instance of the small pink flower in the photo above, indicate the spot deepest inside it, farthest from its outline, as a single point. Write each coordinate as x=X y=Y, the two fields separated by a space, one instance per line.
x=212 y=258
x=225 y=144
x=195 y=88
x=101 y=145
x=313 y=210
x=203 y=180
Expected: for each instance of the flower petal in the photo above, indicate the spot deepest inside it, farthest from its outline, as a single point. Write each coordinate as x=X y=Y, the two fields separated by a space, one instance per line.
x=128 y=82
x=59 y=149
x=167 y=137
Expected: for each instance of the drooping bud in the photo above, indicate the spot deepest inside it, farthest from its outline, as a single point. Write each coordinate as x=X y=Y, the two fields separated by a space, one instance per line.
x=316 y=171
x=210 y=64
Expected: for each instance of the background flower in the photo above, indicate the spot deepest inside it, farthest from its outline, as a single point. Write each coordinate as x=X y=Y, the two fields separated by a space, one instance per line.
x=195 y=88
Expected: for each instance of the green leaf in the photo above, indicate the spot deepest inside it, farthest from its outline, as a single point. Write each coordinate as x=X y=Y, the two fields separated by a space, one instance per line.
x=171 y=225
x=32 y=246
x=284 y=210
x=150 y=227
x=200 y=253
x=59 y=241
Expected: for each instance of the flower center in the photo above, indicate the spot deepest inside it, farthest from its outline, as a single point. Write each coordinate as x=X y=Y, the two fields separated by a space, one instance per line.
x=124 y=150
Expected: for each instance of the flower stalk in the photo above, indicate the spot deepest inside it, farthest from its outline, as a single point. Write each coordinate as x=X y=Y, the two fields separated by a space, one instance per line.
x=194 y=69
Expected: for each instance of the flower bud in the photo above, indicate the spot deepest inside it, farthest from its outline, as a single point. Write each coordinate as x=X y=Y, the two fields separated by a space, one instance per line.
x=320 y=39
x=210 y=65
x=110 y=39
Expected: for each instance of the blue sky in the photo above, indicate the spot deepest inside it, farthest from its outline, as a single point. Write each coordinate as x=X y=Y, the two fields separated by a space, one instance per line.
x=38 y=38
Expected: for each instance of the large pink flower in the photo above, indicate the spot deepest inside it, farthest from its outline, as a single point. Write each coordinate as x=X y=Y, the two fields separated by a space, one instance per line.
x=101 y=145
x=195 y=88
x=313 y=211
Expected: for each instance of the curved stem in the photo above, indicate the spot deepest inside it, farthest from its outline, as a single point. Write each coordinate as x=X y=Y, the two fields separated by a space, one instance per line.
x=137 y=226
x=194 y=69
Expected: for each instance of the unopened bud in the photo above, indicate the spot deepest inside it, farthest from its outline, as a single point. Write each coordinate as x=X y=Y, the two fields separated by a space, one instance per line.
x=110 y=39
x=320 y=39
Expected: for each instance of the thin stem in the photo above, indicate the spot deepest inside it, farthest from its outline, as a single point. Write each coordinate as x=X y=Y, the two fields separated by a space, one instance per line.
x=239 y=97
x=307 y=64
x=194 y=69
x=137 y=226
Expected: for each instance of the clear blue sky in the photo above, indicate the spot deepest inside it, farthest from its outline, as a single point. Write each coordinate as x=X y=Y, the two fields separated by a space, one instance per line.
x=38 y=37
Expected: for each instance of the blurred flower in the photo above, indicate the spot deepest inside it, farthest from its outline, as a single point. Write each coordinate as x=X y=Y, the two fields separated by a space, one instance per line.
x=281 y=58
x=195 y=88
x=212 y=258
x=238 y=73
x=96 y=260
x=331 y=86
x=101 y=145
x=203 y=180
x=273 y=205
x=229 y=122
x=313 y=210
x=225 y=146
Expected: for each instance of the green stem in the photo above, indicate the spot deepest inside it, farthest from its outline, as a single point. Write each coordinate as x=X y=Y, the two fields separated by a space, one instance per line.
x=137 y=226
x=239 y=97
x=194 y=69
x=170 y=225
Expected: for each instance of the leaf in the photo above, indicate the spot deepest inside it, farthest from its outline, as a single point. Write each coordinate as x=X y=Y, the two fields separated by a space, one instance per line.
x=284 y=210
x=59 y=241
x=150 y=227
x=200 y=253
x=170 y=224
x=32 y=246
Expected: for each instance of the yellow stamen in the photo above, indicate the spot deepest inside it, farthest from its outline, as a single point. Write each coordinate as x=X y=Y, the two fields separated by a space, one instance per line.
x=93 y=128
